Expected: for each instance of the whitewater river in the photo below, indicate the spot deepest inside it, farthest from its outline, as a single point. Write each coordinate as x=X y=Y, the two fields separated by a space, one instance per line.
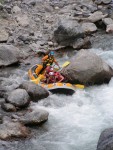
x=75 y=122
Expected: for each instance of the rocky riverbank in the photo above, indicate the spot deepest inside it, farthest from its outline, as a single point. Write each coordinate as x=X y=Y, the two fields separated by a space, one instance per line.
x=28 y=29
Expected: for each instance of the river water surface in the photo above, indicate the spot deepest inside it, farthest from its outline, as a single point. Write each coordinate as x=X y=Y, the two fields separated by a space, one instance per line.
x=75 y=122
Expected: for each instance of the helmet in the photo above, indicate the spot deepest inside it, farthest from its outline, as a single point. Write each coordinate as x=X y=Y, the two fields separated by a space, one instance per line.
x=51 y=69
x=51 y=53
x=51 y=73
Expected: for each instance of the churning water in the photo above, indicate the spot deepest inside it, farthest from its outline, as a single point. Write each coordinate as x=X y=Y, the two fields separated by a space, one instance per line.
x=75 y=122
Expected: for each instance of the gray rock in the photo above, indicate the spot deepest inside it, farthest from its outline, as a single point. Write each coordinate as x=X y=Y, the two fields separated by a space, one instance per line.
x=8 y=107
x=3 y=35
x=10 y=129
x=109 y=28
x=30 y=2
x=107 y=21
x=81 y=43
x=23 y=20
x=35 y=117
x=106 y=140
x=96 y=16
x=35 y=92
x=16 y=10
x=8 y=55
x=87 y=68
x=19 y=98
x=106 y=1
x=67 y=32
x=98 y=1
x=89 y=27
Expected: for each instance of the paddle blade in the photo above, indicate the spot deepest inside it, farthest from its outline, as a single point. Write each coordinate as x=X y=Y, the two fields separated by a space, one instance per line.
x=80 y=86
x=65 y=64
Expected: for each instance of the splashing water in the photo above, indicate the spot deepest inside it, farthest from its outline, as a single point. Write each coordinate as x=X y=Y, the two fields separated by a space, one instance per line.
x=75 y=122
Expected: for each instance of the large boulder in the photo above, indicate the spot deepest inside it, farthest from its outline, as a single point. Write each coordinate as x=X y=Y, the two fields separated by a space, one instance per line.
x=18 y=98
x=106 y=140
x=35 y=92
x=67 y=32
x=10 y=129
x=8 y=55
x=34 y=117
x=87 y=68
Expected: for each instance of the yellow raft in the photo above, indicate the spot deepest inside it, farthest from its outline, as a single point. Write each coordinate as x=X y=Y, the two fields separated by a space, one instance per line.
x=60 y=88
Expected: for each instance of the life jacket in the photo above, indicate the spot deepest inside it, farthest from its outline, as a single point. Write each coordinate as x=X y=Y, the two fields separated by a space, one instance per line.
x=49 y=60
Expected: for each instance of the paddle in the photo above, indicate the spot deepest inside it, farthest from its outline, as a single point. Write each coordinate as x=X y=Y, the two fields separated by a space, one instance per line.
x=80 y=86
x=65 y=64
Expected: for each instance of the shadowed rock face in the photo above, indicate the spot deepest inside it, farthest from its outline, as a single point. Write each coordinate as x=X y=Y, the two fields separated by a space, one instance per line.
x=35 y=92
x=67 y=32
x=87 y=68
x=106 y=140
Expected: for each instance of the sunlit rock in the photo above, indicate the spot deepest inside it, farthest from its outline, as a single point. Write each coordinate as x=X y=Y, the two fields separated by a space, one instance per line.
x=87 y=68
x=34 y=117
x=19 y=98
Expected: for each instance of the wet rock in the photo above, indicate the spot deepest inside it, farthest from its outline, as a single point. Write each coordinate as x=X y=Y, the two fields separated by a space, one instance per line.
x=35 y=117
x=8 y=107
x=96 y=16
x=87 y=68
x=16 y=10
x=89 y=27
x=109 y=28
x=106 y=140
x=67 y=32
x=19 y=98
x=3 y=35
x=8 y=55
x=10 y=129
x=81 y=43
x=35 y=92
x=107 y=21
x=23 y=20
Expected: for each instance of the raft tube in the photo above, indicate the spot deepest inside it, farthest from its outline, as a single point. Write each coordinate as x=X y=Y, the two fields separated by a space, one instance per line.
x=60 y=88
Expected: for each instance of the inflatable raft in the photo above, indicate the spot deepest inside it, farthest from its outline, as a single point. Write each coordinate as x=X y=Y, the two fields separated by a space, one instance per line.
x=58 y=88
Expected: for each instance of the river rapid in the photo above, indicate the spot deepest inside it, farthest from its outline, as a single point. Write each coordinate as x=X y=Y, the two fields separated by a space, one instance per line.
x=75 y=122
